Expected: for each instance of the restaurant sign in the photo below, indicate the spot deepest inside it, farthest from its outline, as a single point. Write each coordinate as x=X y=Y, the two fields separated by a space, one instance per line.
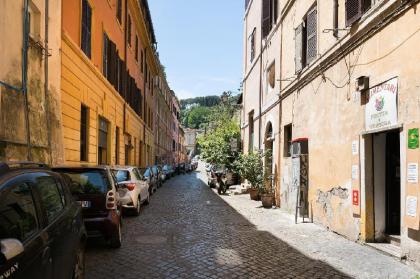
x=381 y=109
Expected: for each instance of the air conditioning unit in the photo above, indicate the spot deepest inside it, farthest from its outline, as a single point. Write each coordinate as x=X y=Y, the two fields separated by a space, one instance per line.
x=362 y=83
x=299 y=147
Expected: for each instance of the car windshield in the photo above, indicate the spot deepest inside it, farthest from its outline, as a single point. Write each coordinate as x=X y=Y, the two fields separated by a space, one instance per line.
x=122 y=175
x=87 y=181
x=165 y=168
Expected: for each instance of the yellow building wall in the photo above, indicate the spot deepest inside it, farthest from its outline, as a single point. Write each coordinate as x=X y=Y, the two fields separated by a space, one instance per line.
x=82 y=83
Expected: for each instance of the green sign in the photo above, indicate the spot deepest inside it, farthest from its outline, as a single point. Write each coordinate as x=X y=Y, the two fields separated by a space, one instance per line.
x=413 y=138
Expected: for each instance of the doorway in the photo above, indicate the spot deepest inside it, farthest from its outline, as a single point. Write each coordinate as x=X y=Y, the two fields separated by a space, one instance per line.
x=387 y=184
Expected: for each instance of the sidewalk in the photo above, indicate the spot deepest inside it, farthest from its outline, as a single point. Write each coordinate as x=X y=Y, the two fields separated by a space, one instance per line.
x=316 y=242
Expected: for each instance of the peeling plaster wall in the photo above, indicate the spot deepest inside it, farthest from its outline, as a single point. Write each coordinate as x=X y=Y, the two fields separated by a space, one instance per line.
x=331 y=115
x=43 y=106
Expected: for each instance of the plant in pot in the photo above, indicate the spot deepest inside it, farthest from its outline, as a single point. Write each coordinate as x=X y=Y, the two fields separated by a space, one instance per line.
x=266 y=191
x=250 y=167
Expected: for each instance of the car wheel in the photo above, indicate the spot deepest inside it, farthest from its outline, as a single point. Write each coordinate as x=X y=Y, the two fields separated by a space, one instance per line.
x=138 y=207
x=116 y=239
x=147 y=201
x=79 y=265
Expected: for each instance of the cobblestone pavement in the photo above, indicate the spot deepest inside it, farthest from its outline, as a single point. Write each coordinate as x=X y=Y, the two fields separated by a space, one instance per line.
x=188 y=231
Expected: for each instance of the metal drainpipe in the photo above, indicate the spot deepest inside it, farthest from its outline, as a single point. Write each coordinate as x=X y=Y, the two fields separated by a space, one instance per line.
x=47 y=103
x=126 y=65
x=25 y=77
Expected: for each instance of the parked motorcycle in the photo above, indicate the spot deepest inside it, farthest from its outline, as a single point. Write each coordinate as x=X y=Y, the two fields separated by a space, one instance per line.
x=221 y=184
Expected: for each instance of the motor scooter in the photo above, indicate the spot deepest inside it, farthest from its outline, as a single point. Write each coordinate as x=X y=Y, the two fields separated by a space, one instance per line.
x=221 y=184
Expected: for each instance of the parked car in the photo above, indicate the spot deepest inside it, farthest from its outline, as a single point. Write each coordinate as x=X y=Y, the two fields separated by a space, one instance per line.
x=150 y=178
x=181 y=168
x=188 y=167
x=156 y=173
x=168 y=171
x=97 y=191
x=42 y=234
x=162 y=175
x=138 y=188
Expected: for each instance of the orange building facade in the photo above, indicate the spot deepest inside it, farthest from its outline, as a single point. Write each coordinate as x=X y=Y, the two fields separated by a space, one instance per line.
x=107 y=73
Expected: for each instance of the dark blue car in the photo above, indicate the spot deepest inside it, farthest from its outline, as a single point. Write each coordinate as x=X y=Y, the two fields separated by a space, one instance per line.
x=41 y=227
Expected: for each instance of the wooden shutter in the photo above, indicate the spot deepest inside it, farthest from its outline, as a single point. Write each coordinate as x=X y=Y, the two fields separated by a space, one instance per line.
x=298 y=48
x=353 y=11
x=265 y=23
x=112 y=66
x=311 y=35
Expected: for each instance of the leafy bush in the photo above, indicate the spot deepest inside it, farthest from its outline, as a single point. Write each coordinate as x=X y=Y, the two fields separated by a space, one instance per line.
x=250 y=167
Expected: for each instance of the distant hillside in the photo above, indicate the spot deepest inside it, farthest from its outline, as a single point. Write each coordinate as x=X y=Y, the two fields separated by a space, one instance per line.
x=206 y=101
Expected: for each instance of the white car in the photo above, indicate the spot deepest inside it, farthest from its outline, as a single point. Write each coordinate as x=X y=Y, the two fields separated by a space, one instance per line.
x=136 y=186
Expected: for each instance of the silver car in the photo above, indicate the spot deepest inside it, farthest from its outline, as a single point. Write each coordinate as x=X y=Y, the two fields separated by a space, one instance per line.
x=136 y=186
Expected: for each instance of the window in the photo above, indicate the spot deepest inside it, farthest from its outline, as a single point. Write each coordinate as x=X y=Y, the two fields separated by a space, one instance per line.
x=306 y=40
x=50 y=196
x=117 y=145
x=34 y=21
x=136 y=49
x=122 y=175
x=252 y=45
x=287 y=140
x=86 y=181
x=84 y=116
x=129 y=31
x=105 y=51
x=271 y=75
x=269 y=16
x=119 y=10
x=103 y=141
x=86 y=28
x=251 y=131
x=17 y=213
x=335 y=18
x=355 y=9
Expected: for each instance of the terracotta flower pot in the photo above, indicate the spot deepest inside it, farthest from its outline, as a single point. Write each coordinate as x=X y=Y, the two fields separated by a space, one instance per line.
x=253 y=193
x=267 y=200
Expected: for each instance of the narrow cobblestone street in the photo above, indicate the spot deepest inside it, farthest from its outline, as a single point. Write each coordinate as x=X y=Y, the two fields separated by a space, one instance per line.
x=188 y=231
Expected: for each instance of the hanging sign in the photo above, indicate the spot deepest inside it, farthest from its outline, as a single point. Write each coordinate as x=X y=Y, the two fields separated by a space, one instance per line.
x=381 y=110
x=413 y=138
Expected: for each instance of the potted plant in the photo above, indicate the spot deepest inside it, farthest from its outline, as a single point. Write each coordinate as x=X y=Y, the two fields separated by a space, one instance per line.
x=250 y=167
x=267 y=196
x=267 y=191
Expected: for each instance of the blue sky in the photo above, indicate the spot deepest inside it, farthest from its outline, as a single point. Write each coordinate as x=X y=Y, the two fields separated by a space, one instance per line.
x=200 y=44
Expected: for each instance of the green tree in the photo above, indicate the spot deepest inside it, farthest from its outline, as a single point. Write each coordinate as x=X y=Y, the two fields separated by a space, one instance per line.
x=197 y=116
x=222 y=128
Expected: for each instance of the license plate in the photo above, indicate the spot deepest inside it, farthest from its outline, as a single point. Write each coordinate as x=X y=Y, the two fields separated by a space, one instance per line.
x=85 y=204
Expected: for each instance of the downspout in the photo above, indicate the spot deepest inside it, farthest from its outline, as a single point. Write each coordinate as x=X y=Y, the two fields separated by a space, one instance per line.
x=125 y=60
x=280 y=115
x=25 y=78
x=47 y=103
x=260 y=95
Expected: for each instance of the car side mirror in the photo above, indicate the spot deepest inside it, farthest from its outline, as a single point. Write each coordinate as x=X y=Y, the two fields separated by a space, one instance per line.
x=11 y=248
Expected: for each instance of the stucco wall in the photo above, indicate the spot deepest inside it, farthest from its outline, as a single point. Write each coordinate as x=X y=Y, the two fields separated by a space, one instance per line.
x=44 y=112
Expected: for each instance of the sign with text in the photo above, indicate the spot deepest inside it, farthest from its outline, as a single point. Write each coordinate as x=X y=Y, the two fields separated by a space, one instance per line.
x=412 y=173
x=381 y=109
